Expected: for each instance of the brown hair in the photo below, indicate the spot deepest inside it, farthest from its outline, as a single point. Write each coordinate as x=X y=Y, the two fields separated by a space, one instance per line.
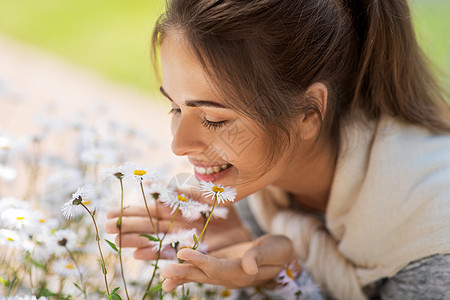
x=263 y=55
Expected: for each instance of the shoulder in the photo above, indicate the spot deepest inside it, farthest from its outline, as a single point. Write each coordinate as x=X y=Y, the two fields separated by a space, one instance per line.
x=390 y=200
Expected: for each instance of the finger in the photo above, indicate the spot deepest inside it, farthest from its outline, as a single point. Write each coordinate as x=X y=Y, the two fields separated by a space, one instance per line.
x=135 y=210
x=228 y=270
x=147 y=253
x=268 y=250
x=143 y=225
x=249 y=263
x=129 y=224
x=235 y=250
x=133 y=240
x=230 y=274
x=151 y=253
x=187 y=273
x=171 y=283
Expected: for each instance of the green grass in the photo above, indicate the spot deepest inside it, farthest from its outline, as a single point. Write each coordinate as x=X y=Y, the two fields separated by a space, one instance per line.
x=112 y=37
x=432 y=23
x=108 y=36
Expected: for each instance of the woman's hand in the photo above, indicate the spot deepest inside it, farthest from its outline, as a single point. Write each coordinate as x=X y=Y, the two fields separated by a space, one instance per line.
x=135 y=221
x=241 y=265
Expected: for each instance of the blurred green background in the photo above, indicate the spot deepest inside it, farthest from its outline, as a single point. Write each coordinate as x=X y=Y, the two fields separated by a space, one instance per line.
x=112 y=37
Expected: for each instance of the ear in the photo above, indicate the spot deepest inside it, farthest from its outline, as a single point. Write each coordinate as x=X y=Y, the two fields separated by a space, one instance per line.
x=312 y=120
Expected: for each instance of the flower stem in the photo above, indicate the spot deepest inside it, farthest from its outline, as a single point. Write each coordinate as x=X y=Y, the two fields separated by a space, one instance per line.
x=79 y=271
x=148 y=211
x=158 y=255
x=97 y=237
x=120 y=240
x=206 y=224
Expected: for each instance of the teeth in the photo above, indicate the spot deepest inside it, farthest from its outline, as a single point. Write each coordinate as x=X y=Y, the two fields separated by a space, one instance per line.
x=200 y=170
x=210 y=170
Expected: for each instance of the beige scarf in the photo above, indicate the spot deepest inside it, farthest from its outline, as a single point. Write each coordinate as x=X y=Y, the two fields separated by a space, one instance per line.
x=389 y=205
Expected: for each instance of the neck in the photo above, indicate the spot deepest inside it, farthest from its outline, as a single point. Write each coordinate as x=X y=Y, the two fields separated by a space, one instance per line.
x=309 y=176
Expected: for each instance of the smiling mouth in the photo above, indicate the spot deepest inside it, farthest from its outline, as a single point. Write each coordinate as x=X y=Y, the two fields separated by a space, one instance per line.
x=211 y=169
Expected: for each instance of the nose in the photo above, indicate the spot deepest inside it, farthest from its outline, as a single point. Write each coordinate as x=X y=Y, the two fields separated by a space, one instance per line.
x=187 y=137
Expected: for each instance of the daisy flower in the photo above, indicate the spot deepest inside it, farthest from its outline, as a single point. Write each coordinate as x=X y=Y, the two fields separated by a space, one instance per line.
x=16 y=218
x=98 y=156
x=41 y=252
x=6 y=143
x=203 y=210
x=157 y=189
x=7 y=174
x=138 y=172
x=83 y=195
x=220 y=192
x=26 y=297
x=62 y=239
x=114 y=173
x=174 y=201
x=42 y=224
x=10 y=238
x=12 y=202
x=65 y=268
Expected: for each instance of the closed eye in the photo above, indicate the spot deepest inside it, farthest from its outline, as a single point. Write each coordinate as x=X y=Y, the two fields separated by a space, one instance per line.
x=213 y=125
x=175 y=111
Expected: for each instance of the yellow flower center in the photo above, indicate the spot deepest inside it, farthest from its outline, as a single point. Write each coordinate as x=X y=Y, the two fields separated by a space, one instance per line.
x=86 y=202
x=42 y=220
x=289 y=273
x=69 y=266
x=181 y=198
x=20 y=218
x=140 y=172
x=10 y=239
x=217 y=189
x=225 y=293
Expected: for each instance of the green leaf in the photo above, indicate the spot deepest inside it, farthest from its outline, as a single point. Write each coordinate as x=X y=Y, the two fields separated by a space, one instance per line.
x=119 y=222
x=103 y=266
x=37 y=264
x=112 y=245
x=155 y=288
x=113 y=295
x=151 y=238
x=77 y=286
x=195 y=238
x=4 y=281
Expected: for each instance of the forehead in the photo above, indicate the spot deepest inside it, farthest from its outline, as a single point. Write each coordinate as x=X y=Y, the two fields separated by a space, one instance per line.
x=183 y=75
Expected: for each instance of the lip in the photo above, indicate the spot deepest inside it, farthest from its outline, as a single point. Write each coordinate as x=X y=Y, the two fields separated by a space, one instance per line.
x=211 y=177
x=204 y=165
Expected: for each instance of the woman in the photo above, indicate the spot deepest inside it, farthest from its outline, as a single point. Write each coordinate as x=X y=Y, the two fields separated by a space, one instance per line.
x=325 y=113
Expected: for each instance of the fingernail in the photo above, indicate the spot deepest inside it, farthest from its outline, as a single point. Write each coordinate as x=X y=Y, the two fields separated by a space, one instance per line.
x=187 y=253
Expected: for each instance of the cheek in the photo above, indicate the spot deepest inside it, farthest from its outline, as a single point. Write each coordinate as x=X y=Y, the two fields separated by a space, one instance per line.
x=246 y=151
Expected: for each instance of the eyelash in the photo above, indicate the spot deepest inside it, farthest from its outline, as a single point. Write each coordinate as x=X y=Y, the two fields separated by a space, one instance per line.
x=213 y=125
x=206 y=123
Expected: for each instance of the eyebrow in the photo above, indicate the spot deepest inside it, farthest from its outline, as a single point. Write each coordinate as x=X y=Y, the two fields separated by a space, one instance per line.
x=194 y=103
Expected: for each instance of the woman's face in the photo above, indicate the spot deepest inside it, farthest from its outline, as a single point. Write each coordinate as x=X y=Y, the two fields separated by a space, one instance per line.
x=222 y=145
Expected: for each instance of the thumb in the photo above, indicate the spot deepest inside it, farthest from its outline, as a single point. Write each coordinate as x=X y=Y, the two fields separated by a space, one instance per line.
x=250 y=261
x=268 y=250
